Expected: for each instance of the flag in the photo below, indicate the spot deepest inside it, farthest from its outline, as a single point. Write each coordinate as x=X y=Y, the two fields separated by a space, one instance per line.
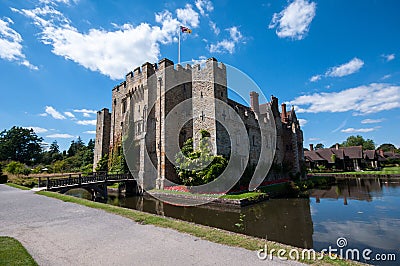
x=185 y=29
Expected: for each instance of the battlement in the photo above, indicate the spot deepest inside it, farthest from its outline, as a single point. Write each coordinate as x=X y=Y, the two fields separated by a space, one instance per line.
x=210 y=63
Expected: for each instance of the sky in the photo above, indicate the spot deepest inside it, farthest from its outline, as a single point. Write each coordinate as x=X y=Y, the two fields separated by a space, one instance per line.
x=336 y=61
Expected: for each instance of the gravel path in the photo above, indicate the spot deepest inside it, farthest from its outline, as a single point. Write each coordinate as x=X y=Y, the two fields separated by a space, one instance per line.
x=60 y=233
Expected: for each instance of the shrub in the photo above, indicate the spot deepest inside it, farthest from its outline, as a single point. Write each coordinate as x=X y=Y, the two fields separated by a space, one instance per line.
x=197 y=167
x=17 y=168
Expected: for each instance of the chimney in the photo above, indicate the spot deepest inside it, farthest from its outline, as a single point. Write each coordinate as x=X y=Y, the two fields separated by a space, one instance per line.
x=284 y=114
x=381 y=153
x=337 y=146
x=311 y=147
x=255 y=106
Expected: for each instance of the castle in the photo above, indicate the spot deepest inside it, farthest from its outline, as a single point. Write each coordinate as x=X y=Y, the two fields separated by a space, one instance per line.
x=167 y=104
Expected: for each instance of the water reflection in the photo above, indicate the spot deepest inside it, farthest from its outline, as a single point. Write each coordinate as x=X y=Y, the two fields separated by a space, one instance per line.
x=365 y=212
x=285 y=220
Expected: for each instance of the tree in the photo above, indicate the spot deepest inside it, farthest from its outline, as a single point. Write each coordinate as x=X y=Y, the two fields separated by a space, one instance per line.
x=197 y=167
x=359 y=141
x=75 y=147
x=102 y=165
x=387 y=147
x=20 y=144
x=319 y=146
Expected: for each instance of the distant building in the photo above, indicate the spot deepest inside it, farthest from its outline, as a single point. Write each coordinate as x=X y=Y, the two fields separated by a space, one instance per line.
x=352 y=158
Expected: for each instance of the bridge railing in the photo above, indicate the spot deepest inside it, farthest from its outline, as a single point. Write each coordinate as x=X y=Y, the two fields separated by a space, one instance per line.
x=50 y=182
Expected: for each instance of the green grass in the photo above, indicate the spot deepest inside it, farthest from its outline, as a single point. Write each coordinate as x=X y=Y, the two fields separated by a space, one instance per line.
x=246 y=195
x=200 y=231
x=13 y=253
x=384 y=171
x=18 y=186
x=115 y=185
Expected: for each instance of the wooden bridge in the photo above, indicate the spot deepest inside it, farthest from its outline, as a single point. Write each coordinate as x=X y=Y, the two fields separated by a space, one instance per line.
x=94 y=183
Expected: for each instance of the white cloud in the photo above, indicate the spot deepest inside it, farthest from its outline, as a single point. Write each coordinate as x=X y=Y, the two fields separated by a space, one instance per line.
x=86 y=115
x=86 y=122
x=203 y=6
x=69 y=114
x=60 y=136
x=314 y=139
x=93 y=132
x=85 y=111
x=366 y=99
x=315 y=78
x=37 y=130
x=235 y=34
x=188 y=16
x=303 y=122
x=43 y=114
x=214 y=28
x=222 y=46
x=386 y=77
x=67 y=2
x=112 y=53
x=346 y=69
x=10 y=45
x=388 y=57
x=359 y=130
x=54 y=113
x=227 y=45
x=294 y=21
x=372 y=121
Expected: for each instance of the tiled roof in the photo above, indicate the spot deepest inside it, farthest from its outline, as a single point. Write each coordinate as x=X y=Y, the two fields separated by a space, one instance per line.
x=370 y=154
x=312 y=156
x=354 y=152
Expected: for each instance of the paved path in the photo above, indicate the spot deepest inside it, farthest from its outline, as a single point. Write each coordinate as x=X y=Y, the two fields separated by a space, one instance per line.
x=60 y=233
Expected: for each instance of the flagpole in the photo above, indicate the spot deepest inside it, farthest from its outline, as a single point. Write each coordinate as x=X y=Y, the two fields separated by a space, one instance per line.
x=179 y=46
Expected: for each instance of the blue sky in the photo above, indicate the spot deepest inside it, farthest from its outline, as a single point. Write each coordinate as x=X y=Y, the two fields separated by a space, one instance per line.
x=336 y=61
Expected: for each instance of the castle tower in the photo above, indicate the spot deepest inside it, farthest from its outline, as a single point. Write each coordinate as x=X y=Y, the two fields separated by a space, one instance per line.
x=209 y=83
x=102 y=143
x=174 y=87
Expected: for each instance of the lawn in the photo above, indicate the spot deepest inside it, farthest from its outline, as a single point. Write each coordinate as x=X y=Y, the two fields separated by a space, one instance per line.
x=17 y=186
x=13 y=253
x=385 y=171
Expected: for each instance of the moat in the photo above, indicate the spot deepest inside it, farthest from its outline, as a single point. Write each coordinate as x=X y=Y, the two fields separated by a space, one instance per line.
x=365 y=212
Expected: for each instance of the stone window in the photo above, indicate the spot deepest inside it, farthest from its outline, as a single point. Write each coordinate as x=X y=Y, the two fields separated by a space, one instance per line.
x=201 y=94
x=123 y=106
x=254 y=140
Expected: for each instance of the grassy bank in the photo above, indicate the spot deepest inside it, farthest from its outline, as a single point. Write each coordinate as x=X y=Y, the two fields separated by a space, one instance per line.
x=394 y=170
x=13 y=253
x=17 y=186
x=203 y=232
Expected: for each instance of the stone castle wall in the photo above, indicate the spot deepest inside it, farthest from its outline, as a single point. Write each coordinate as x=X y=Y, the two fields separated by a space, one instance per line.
x=191 y=95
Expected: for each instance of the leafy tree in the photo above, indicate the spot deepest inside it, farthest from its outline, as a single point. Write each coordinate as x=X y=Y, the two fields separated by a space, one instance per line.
x=319 y=146
x=52 y=155
x=197 y=167
x=60 y=166
x=20 y=144
x=102 y=165
x=387 y=147
x=359 y=141
x=75 y=147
